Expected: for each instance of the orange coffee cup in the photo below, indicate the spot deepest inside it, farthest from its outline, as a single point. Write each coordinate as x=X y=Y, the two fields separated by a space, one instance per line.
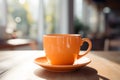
x=63 y=49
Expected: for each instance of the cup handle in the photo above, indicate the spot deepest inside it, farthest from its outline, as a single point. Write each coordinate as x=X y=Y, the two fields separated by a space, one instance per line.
x=89 y=46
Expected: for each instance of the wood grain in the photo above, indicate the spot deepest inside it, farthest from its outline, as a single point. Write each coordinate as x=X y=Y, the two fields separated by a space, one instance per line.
x=19 y=65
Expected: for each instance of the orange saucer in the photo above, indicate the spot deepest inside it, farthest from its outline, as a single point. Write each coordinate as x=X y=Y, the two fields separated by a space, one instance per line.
x=42 y=61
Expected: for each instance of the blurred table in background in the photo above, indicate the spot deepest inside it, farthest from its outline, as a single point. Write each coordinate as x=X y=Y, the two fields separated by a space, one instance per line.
x=11 y=44
x=19 y=65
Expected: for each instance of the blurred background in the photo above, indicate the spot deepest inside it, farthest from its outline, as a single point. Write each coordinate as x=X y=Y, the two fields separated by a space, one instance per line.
x=24 y=22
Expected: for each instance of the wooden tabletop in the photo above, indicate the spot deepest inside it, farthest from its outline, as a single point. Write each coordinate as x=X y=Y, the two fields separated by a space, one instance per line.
x=19 y=65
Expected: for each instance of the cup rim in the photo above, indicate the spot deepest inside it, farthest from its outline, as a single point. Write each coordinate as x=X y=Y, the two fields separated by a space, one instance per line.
x=54 y=35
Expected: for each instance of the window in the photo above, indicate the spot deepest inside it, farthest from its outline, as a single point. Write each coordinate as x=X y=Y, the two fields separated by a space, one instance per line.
x=28 y=18
x=2 y=13
x=22 y=17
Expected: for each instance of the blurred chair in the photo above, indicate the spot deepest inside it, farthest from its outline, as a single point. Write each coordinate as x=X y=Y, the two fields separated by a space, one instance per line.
x=112 y=44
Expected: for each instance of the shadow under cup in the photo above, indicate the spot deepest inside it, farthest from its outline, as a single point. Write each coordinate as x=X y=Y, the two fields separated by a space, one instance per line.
x=63 y=49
